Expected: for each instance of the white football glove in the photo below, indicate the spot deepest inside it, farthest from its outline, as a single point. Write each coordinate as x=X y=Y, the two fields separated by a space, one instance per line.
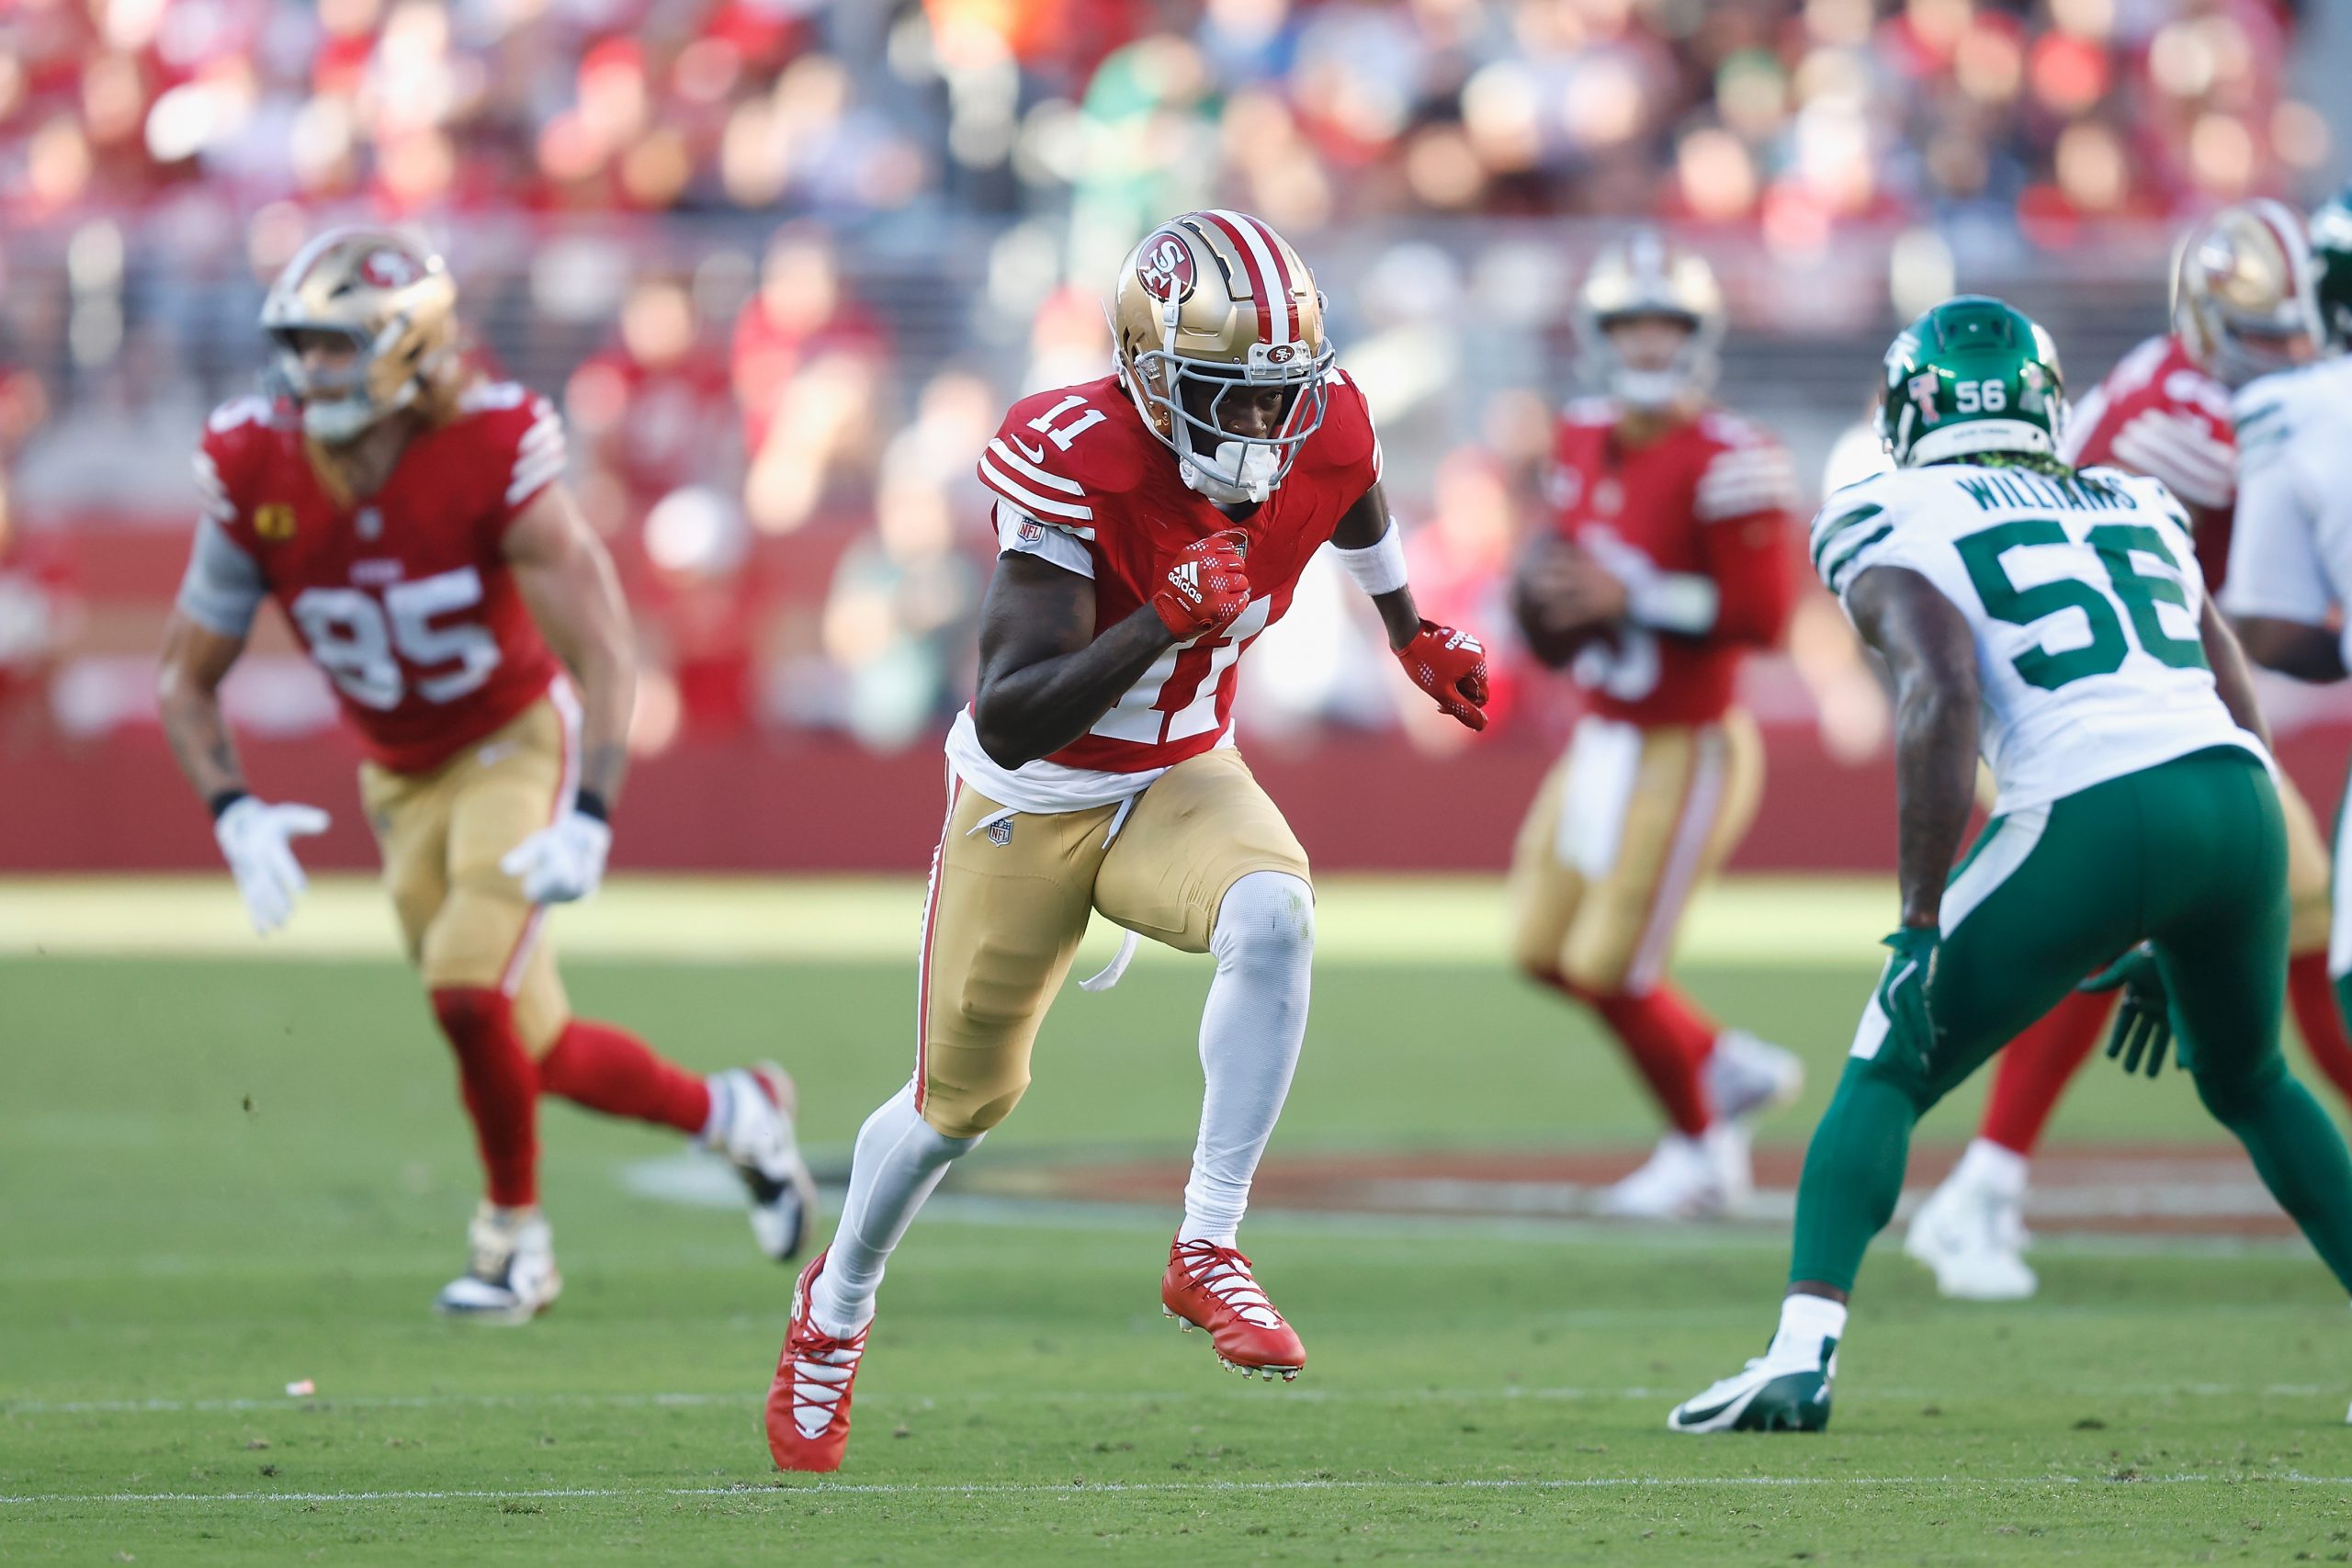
x=252 y=835
x=561 y=862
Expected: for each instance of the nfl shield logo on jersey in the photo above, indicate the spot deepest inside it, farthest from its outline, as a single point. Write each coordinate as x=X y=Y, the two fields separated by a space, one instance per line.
x=1032 y=531
x=1001 y=832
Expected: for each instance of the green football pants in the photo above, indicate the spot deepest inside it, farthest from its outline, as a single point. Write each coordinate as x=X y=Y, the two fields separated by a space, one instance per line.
x=2189 y=854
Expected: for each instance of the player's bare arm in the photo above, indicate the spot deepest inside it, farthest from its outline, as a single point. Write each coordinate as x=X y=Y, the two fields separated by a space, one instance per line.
x=1362 y=527
x=1045 y=677
x=1932 y=657
x=2232 y=678
x=188 y=674
x=2305 y=652
x=1450 y=665
x=567 y=577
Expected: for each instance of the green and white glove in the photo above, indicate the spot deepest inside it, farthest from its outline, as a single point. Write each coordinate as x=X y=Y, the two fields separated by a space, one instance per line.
x=1903 y=989
x=2143 y=1018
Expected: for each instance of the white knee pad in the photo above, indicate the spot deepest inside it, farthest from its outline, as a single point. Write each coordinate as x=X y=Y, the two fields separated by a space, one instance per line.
x=1267 y=919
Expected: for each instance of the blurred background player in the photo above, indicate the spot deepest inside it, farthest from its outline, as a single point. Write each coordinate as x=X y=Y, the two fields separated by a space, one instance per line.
x=2051 y=620
x=2242 y=307
x=412 y=521
x=1150 y=526
x=2290 y=560
x=1665 y=563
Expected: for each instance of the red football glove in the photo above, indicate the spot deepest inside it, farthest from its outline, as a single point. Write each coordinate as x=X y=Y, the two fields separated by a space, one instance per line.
x=1206 y=587
x=1452 y=667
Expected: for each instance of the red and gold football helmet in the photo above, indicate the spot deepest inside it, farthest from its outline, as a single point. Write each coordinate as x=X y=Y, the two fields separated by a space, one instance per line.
x=1646 y=277
x=387 y=293
x=2244 y=293
x=1210 y=302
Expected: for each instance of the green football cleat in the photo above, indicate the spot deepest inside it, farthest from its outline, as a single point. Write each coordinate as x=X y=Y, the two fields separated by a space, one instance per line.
x=1763 y=1397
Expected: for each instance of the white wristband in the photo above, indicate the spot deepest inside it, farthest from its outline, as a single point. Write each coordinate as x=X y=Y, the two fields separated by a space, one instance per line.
x=1377 y=569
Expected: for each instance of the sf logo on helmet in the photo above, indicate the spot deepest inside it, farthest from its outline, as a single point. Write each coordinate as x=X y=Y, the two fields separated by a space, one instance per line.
x=1165 y=266
x=389 y=270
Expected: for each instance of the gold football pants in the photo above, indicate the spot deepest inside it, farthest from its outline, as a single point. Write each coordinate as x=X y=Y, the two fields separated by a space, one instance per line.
x=1625 y=828
x=1009 y=895
x=442 y=835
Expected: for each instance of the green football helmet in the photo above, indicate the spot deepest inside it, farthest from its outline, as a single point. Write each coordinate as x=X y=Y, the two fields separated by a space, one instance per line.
x=2331 y=260
x=1973 y=374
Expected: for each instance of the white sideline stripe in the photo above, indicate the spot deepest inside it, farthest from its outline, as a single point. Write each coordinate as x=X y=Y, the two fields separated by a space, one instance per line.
x=1179 y=1488
x=1768 y=921
x=1508 y=1394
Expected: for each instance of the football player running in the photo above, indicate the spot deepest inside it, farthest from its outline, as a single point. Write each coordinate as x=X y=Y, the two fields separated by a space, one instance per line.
x=411 y=521
x=1666 y=561
x=2052 y=618
x=1150 y=526
x=2242 y=307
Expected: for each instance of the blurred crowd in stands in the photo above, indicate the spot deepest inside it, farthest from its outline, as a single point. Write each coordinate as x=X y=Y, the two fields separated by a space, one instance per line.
x=785 y=260
x=1792 y=113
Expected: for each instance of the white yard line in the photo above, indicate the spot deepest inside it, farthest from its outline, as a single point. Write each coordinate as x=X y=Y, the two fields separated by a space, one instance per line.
x=323 y=1405
x=1174 y=1488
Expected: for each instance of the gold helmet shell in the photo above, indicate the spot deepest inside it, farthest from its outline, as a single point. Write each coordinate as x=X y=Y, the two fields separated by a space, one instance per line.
x=1645 y=275
x=391 y=297
x=2244 y=293
x=1210 y=301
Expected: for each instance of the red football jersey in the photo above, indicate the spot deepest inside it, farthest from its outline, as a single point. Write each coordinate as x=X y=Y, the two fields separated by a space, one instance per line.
x=2158 y=414
x=1079 y=459
x=404 y=598
x=1712 y=498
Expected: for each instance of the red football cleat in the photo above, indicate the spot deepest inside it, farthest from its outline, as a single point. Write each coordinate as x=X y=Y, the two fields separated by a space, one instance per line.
x=809 y=1401
x=1210 y=1287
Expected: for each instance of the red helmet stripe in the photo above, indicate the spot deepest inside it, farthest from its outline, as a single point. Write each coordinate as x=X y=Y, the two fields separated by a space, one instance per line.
x=2287 y=230
x=1282 y=270
x=1260 y=289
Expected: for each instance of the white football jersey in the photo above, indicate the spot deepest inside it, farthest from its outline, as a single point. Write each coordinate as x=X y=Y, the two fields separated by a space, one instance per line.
x=2084 y=596
x=2291 y=555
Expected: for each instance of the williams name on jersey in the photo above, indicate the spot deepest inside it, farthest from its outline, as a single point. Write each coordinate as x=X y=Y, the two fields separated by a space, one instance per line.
x=2083 y=593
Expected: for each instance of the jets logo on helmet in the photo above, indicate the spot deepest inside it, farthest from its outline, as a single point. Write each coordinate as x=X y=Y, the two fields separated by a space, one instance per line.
x=1165 y=266
x=1973 y=374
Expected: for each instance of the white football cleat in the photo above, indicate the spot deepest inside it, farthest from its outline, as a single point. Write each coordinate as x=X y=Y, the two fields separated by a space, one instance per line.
x=754 y=1130
x=1764 y=1396
x=1972 y=1235
x=1685 y=1178
x=1746 y=1077
x=510 y=1274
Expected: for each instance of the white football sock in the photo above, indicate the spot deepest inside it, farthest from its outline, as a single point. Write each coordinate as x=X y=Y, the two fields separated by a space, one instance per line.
x=1251 y=1033
x=900 y=1161
x=1805 y=1322
x=1989 y=1165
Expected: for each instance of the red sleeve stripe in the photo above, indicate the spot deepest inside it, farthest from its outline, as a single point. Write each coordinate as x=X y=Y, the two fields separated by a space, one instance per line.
x=1028 y=500
x=1259 y=266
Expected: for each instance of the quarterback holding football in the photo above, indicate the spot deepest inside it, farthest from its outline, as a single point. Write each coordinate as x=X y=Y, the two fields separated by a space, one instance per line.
x=1150 y=524
x=1666 y=562
x=411 y=520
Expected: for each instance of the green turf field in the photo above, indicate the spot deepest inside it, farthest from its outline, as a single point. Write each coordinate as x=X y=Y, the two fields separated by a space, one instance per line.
x=221 y=1173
